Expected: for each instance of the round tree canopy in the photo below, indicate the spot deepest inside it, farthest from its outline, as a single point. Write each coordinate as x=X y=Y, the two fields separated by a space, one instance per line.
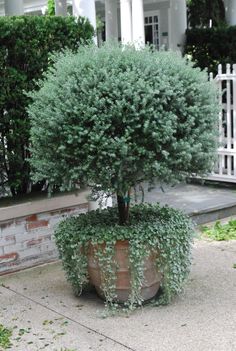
x=115 y=116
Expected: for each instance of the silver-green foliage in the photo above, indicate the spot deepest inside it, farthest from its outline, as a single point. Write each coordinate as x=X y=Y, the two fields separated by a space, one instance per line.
x=115 y=116
x=152 y=229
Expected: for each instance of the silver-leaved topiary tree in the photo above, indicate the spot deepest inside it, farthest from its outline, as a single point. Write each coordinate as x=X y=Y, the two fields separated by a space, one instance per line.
x=116 y=117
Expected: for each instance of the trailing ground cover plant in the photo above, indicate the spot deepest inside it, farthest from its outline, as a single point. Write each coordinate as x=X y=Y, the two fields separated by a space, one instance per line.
x=151 y=228
x=5 y=337
x=116 y=117
x=221 y=232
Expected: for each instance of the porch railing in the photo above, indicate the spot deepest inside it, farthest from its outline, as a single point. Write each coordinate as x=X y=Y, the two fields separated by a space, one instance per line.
x=225 y=169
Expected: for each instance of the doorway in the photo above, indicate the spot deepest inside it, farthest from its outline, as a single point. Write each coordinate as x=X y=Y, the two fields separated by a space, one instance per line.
x=151 y=26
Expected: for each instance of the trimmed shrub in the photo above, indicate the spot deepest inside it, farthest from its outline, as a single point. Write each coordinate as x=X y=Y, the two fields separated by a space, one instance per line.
x=116 y=117
x=210 y=47
x=25 y=46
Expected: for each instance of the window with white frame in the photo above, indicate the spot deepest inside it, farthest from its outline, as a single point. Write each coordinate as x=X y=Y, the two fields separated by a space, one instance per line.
x=151 y=25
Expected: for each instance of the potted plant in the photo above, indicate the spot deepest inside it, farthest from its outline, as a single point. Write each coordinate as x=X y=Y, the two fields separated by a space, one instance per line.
x=117 y=117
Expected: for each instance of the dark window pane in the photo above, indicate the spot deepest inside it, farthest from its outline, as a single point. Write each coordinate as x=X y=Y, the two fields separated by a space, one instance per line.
x=148 y=35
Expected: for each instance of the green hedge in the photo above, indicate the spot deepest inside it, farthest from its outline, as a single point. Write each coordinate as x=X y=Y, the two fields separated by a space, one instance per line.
x=210 y=47
x=200 y=12
x=25 y=45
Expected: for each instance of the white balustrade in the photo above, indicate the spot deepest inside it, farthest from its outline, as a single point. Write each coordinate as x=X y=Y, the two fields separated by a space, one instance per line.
x=225 y=169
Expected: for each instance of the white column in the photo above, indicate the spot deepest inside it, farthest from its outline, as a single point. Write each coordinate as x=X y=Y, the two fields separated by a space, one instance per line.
x=138 y=23
x=61 y=7
x=178 y=24
x=126 y=21
x=14 y=7
x=230 y=12
x=111 y=19
x=85 y=8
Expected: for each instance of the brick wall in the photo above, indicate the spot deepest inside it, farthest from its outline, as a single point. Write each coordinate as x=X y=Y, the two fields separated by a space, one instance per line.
x=28 y=241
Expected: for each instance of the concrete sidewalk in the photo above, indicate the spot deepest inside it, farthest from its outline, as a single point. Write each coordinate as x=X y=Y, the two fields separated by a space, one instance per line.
x=45 y=315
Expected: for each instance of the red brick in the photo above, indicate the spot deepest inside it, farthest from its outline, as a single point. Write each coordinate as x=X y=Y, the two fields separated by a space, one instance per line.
x=34 y=242
x=32 y=218
x=10 y=238
x=67 y=210
x=83 y=206
x=6 y=224
x=37 y=224
x=59 y=212
x=19 y=221
x=47 y=237
x=8 y=258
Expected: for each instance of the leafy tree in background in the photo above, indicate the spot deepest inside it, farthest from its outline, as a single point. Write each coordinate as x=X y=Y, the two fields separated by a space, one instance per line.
x=25 y=46
x=201 y=11
x=210 y=47
x=51 y=7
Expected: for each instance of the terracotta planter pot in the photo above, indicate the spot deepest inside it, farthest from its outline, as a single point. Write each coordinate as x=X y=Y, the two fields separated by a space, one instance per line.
x=123 y=285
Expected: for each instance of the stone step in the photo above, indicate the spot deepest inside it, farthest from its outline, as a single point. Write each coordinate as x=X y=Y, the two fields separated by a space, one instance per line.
x=203 y=203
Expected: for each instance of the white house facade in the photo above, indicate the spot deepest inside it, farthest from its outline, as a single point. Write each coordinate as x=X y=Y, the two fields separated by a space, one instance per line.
x=159 y=22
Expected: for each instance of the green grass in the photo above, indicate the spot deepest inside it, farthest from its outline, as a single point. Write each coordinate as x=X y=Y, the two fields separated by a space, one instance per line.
x=5 y=335
x=221 y=232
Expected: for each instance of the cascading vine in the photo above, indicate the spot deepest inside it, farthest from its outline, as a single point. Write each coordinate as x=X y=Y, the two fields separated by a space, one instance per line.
x=164 y=232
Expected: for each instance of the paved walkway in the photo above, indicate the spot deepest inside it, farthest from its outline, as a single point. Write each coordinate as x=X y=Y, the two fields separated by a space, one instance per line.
x=193 y=197
x=204 y=203
x=45 y=315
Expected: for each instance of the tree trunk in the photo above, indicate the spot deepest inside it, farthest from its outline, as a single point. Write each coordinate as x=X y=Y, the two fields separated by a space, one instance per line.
x=122 y=209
